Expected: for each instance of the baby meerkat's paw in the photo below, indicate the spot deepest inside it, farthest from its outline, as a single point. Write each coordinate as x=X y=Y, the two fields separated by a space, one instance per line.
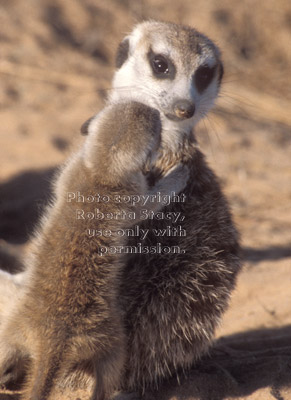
x=172 y=183
x=177 y=177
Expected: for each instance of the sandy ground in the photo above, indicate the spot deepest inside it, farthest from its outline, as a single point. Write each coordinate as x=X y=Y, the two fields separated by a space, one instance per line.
x=56 y=64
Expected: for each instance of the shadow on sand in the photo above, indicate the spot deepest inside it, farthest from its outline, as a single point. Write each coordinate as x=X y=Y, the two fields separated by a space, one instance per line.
x=237 y=366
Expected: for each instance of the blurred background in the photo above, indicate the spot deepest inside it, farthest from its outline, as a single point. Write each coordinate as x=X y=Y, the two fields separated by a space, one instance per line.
x=56 y=65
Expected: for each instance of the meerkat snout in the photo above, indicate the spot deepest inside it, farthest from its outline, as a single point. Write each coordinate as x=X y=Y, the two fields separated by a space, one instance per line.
x=184 y=109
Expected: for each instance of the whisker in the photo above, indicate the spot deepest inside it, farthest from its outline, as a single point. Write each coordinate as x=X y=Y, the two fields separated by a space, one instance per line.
x=237 y=98
x=213 y=127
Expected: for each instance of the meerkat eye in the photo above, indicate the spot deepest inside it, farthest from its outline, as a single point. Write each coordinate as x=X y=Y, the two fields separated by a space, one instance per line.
x=160 y=65
x=203 y=76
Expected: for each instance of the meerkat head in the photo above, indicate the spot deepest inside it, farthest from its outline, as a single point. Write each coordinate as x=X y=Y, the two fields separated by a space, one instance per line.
x=121 y=139
x=172 y=68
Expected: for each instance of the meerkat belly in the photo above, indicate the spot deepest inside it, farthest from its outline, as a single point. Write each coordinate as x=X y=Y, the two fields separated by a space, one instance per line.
x=174 y=295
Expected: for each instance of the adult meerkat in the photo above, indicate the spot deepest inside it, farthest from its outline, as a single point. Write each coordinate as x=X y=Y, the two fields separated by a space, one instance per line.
x=67 y=317
x=174 y=302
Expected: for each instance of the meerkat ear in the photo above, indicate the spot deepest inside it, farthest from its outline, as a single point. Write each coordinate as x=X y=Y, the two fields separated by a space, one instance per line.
x=85 y=126
x=122 y=53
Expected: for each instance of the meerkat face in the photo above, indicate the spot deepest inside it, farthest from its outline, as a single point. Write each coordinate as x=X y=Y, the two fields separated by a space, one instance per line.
x=169 y=67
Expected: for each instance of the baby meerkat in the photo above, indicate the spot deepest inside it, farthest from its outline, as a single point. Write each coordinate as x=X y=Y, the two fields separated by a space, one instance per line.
x=67 y=317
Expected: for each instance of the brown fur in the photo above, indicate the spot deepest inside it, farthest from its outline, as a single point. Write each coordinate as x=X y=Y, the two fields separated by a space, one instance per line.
x=173 y=302
x=68 y=318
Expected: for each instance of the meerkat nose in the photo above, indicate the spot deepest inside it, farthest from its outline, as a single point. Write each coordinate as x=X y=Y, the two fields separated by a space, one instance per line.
x=184 y=109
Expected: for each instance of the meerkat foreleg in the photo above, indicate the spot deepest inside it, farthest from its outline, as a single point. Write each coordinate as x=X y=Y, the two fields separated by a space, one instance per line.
x=11 y=365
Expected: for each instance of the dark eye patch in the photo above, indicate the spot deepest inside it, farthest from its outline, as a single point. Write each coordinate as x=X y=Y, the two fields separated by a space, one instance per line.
x=203 y=77
x=161 y=66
